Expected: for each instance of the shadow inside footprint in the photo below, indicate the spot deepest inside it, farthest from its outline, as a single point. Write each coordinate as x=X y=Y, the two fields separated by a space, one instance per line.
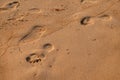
x=48 y=47
x=88 y=1
x=34 y=33
x=85 y=20
x=105 y=17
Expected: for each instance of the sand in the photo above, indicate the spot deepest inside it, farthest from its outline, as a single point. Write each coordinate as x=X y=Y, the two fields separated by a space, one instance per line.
x=59 y=40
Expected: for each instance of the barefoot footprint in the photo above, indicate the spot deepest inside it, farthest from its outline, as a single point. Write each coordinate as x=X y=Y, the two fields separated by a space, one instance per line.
x=86 y=20
x=105 y=17
x=36 y=57
x=48 y=47
x=33 y=58
x=39 y=56
x=34 y=33
x=9 y=6
x=88 y=1
x=35 y=11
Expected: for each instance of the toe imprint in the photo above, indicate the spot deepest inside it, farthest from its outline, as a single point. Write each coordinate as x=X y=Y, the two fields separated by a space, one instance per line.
x=33 y=58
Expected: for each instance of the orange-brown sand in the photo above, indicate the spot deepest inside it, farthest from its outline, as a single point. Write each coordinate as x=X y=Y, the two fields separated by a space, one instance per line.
x=59 y=40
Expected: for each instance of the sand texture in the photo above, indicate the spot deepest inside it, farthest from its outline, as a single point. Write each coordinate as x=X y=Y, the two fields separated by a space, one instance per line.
x=59 y=39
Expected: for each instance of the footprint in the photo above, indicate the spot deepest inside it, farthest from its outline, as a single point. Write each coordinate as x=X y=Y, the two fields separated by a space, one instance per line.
x=86 y=20
x=88 y=1
x=34 y=33
x=105 y=17
x=33 y=58
x=34 y=11
x=42 y=55
x=9 y=6
x=48 y=47
x=59 y=9
x=36 y=57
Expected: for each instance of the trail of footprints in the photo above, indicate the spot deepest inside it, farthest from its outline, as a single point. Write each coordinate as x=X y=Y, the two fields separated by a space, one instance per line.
x=34 y=33
x=37 y=57
x=10 y=6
